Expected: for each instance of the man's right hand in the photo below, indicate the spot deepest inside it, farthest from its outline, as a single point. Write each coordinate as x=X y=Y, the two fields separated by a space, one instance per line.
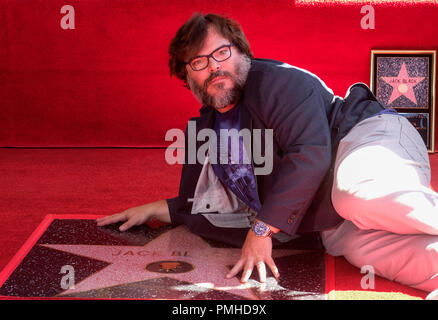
x=138 y=215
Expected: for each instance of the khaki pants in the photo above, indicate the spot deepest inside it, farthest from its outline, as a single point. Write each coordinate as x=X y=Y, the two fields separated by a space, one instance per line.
x=381 y=189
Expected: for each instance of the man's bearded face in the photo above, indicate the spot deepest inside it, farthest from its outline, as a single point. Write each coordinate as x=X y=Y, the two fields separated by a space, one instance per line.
x=221 y=83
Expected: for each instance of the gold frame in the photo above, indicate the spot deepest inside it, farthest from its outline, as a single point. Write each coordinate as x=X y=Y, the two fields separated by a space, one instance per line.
x=432 y=83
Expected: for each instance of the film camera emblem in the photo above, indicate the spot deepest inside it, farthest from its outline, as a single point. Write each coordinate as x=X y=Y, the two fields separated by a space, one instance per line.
x=169 y=266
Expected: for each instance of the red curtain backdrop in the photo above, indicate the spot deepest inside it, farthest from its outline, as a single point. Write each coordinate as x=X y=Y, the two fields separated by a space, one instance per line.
x=106 y=83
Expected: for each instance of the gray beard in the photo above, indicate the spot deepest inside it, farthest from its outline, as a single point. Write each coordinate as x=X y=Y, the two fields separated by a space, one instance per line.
x=225 y=97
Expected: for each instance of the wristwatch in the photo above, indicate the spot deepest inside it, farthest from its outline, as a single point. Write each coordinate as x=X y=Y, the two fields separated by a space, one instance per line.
x=261 y=229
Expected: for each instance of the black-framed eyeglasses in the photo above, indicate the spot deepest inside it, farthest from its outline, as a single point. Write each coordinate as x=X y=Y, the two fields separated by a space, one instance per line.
x=220 y=54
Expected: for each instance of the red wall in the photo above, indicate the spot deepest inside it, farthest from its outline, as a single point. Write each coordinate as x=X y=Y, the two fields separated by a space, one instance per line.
x=106 y=83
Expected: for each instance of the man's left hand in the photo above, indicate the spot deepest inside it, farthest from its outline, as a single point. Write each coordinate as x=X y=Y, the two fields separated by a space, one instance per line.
x=256 y=251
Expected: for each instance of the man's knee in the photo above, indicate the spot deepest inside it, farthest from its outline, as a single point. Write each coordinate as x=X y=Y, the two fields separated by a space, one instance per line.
x=344 y=203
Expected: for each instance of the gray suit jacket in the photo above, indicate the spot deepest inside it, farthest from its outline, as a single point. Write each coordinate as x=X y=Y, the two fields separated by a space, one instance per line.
x=308 y=122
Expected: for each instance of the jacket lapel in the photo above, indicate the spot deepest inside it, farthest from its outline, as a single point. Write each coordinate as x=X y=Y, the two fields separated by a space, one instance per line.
x=246 y=122
x=205 y=120
x=192 y=171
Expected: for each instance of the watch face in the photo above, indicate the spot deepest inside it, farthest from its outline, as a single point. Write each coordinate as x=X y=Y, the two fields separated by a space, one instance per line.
x=260 y=228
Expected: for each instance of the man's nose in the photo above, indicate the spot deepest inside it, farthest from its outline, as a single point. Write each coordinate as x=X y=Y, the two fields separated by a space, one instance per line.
x=213 y=65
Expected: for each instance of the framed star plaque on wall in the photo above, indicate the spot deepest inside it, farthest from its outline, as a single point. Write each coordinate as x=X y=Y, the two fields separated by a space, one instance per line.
x=405 y=81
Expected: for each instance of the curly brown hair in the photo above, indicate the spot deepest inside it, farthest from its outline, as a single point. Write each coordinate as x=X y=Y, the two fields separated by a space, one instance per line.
x=190 y=37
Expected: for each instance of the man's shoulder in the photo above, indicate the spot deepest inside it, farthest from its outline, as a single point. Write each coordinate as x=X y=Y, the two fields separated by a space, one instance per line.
x=278 y=68
x=275 y=76
x=279 y=75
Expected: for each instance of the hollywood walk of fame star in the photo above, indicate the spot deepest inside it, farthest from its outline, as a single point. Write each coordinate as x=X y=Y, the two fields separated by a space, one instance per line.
x=170 y=250
x=403 y=84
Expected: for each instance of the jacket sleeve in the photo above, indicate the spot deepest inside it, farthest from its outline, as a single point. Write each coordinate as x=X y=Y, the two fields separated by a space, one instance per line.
x=296 y=111
x=172 y=204
x=200 y=226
